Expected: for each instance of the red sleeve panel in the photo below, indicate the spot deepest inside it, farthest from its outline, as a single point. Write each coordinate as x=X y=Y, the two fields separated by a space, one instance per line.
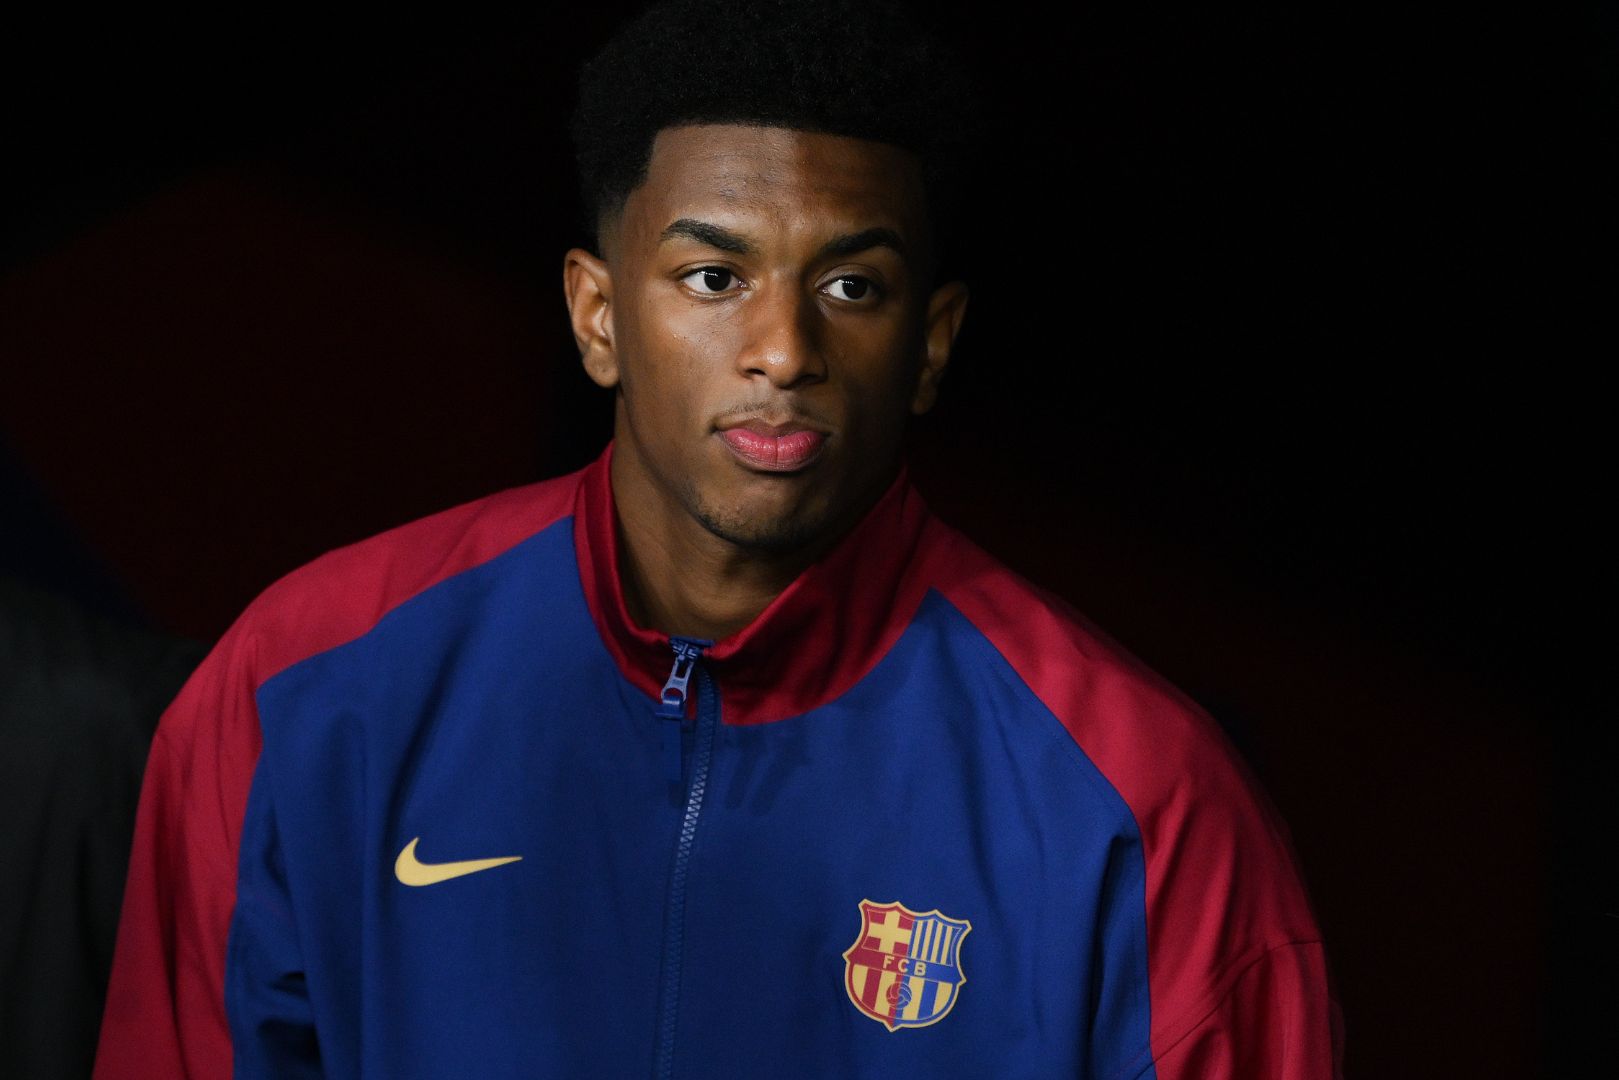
x=1236 y=972
x=1275 y=1019
x=165 y=1015
x=165 y=1012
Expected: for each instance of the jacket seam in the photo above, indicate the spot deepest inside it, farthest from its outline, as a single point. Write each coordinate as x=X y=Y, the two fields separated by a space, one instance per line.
x=1234 y=977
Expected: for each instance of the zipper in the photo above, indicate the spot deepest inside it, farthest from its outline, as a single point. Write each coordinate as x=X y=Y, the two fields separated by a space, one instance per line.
x=671 y=712
x=672 y=704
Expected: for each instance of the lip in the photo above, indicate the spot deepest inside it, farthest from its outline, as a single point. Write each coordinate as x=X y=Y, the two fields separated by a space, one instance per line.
x=784 y=447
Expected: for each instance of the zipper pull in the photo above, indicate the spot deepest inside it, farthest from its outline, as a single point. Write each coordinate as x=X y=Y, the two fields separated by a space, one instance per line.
x=672 y=703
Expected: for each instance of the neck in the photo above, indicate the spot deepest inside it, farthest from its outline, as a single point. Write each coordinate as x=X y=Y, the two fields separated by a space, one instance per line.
x=681 y=579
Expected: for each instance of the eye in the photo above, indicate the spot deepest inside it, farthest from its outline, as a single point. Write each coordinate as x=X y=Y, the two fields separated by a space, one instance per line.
x=854 y=288
x=710 y=279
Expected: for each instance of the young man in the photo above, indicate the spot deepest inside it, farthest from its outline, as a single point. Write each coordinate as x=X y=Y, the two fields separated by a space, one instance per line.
x=720 y=757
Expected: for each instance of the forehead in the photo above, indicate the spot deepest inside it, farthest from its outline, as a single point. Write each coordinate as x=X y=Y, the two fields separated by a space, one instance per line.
x=777 y=177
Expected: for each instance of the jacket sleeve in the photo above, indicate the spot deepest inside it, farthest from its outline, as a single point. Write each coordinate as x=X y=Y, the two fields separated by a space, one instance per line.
x=1239 y=975
x=1272 y=1018
x=165 y=1012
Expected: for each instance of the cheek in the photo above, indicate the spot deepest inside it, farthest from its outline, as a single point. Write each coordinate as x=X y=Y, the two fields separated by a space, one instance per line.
x=670 y=373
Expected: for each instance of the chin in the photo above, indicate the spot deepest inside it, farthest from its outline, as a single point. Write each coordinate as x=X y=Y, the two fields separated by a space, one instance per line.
x=776 y=530
x=779 y=536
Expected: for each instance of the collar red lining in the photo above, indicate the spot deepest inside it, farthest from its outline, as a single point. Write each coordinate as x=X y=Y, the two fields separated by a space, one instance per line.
x=810 y=645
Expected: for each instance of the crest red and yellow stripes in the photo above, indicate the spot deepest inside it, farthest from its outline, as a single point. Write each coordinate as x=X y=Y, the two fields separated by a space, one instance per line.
x=904 y=968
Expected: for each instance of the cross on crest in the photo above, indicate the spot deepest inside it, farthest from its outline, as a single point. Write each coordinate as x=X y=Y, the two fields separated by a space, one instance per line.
x=904 y=968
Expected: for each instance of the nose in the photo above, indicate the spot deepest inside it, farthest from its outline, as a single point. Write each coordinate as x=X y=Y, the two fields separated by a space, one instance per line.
x=782 y=340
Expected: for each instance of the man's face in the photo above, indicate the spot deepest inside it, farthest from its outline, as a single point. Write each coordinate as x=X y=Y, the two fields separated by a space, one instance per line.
x=765 y=314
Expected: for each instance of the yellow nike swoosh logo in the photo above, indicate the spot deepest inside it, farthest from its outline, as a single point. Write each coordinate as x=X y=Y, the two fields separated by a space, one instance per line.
x=412 y=871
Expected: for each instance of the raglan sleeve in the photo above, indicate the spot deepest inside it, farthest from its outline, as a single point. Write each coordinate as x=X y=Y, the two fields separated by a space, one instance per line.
x=166 y=1013
x=1273 y=1017
x=1237 y=969
x=1208 y=964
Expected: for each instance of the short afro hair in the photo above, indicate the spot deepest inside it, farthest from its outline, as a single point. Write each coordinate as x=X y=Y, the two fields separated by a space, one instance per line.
x=861 y=68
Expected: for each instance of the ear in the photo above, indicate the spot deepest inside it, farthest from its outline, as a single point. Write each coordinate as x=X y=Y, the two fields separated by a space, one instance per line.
x=946 y=308
x=588 y=286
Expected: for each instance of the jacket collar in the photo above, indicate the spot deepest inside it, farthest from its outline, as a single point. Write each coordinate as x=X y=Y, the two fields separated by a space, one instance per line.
x=811 y=644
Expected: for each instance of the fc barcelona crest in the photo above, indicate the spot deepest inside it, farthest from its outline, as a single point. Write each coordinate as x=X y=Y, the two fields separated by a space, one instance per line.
x=904 y=970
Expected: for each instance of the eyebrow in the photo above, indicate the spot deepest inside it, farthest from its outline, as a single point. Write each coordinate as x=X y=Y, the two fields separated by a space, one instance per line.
x=705 y=233
x=854 y=243
x=725 y=240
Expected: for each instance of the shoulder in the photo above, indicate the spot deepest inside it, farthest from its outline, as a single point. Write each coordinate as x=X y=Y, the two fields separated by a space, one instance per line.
x=1210 y=837
x=344 y=593
x=341 y=595
x=1111 y=703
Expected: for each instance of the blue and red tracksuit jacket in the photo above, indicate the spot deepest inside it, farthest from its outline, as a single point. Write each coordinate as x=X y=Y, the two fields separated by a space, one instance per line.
x=436 y=806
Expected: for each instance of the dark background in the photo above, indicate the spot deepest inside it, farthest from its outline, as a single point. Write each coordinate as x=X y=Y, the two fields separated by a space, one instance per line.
x=1277 y=365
